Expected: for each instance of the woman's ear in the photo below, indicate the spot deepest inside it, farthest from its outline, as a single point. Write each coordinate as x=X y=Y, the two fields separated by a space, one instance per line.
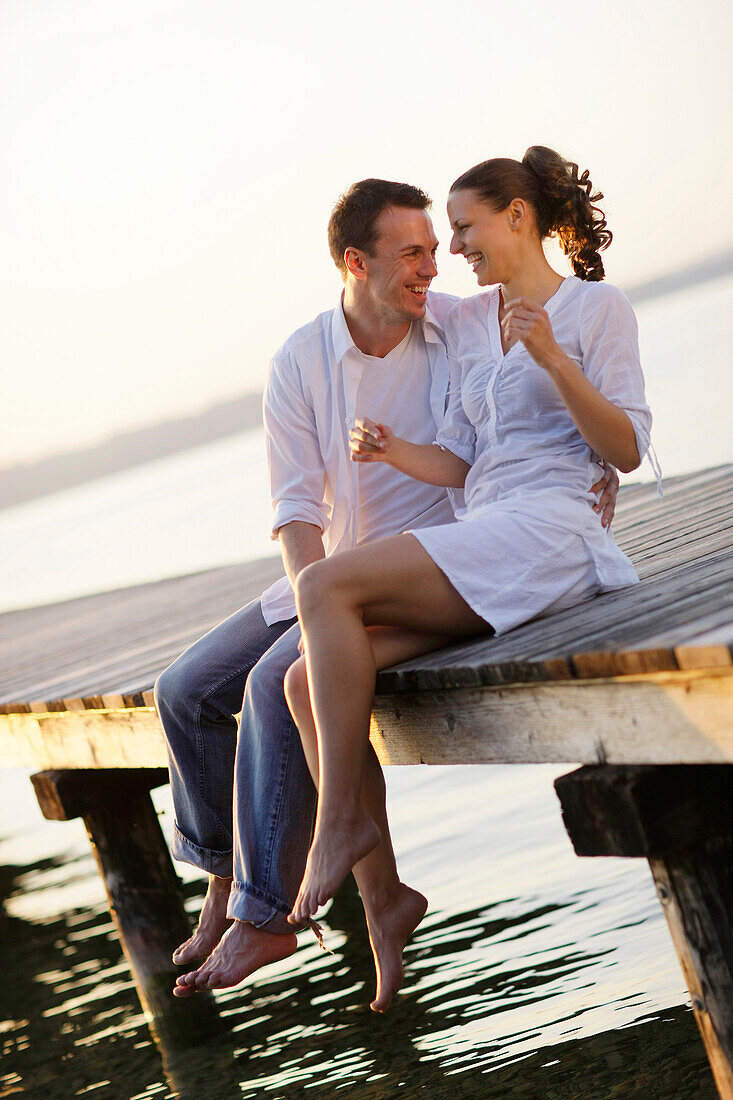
x=518 y=211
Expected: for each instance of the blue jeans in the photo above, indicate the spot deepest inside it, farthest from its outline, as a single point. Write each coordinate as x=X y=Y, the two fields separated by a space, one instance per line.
x=244 y=801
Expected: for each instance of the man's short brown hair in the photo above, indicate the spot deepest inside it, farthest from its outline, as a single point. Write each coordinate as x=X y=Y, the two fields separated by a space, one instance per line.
x=353 y=220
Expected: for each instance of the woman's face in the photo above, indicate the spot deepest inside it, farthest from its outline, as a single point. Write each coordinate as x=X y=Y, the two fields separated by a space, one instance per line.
x=483 y=235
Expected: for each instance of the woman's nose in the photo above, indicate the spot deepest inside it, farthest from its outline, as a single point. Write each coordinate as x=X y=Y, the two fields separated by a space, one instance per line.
x=456 y=245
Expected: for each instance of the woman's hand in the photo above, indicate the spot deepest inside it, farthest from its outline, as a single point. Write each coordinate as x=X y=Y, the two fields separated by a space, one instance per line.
x=369 y=442
x=526 y=321
x=605 y=427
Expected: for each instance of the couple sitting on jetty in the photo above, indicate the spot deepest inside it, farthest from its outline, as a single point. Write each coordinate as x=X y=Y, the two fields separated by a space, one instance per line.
x=437 y=472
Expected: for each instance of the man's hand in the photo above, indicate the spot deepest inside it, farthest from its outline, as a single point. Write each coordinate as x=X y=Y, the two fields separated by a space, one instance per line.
x=608 y=487
x=369 y=442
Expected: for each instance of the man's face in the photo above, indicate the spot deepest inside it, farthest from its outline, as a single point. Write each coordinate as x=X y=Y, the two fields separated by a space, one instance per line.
x=401 y=266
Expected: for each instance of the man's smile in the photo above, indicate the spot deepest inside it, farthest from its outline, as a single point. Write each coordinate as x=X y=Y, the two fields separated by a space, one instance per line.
x=419 y=289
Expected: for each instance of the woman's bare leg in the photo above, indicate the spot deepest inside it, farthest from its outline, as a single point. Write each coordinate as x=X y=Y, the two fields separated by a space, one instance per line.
x=393 y=909
x=391 y=583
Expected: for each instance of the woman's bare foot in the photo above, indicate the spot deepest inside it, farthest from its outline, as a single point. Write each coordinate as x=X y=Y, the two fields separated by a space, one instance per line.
x=391 y=923
x=336 y=847
x=241 y=950
x=212 y=924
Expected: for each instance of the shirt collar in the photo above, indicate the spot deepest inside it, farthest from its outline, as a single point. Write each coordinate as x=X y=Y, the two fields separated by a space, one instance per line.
x=343 y=340
x=432 y=328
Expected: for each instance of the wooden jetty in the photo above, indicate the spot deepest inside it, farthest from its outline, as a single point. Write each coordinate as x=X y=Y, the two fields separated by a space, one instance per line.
x=636 y=686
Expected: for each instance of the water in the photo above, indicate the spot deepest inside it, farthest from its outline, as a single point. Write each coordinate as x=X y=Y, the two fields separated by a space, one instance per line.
x=535 y=974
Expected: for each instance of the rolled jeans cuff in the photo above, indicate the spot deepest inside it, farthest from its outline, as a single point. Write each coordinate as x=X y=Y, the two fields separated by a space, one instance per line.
x=263 y=910
x=207 y=859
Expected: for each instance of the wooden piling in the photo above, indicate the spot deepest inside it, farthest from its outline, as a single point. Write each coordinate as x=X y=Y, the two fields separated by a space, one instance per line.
x=681 y=819
x=144 y=894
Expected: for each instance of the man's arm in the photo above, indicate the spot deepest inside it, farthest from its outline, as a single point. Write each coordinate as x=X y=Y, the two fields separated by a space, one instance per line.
x=294 y=458
x=300 y=544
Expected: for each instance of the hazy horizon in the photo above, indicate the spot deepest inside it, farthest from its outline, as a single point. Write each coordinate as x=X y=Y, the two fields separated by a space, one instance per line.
x=241 y=411
x=170 y=169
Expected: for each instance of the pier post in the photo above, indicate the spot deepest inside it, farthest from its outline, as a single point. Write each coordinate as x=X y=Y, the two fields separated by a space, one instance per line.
x=680 y=818
x=144 y=893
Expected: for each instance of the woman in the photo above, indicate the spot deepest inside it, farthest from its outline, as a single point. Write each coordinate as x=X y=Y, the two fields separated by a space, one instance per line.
x=546 y=381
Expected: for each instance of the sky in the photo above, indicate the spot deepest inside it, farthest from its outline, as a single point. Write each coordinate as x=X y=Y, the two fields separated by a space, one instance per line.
x=169 y=167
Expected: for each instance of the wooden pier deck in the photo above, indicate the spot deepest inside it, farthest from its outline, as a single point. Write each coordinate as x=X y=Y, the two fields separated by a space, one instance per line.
x=637 y=685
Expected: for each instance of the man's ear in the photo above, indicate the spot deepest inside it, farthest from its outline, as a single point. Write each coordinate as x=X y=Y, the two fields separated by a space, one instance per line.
x=354 y=260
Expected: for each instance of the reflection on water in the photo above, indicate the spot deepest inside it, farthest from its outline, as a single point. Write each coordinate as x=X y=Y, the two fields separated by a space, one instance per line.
x=534 y=975
x=74 y=1027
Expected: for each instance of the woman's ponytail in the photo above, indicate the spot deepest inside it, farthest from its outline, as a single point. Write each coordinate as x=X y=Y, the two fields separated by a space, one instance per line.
x=567 y=207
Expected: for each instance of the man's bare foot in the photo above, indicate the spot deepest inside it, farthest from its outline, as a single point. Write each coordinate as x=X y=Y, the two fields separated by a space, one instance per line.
x=390 y=926
x=335 y=849
x=212 y=924
x=241 y=950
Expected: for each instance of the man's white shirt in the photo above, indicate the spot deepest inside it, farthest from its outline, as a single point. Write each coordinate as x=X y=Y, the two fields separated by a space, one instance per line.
x=318 y=383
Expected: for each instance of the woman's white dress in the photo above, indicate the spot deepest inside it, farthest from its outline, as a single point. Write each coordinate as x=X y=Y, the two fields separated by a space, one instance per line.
x=528 y=541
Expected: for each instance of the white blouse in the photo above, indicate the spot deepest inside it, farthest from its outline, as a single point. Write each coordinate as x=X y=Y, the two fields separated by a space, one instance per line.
x=505 y=416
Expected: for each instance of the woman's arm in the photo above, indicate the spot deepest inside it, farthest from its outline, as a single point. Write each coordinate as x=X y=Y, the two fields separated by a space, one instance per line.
x=605 y=427
x=370 y=442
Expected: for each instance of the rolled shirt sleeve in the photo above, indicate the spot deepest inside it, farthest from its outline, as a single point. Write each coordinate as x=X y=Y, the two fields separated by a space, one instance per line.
x=609 y=338
x=296 y=470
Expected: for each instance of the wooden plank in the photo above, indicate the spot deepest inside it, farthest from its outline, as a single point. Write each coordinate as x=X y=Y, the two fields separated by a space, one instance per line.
x=108 y=649
x=83 y=739
x=608 y=663
x=645 y=811
x=703 y=656
x=661 y=718
x=66 y=795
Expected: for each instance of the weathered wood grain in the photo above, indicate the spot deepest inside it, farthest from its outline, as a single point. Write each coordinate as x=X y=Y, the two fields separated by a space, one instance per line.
x=659 y=718
x=106 y=650
x=144 y=898
x=681 y=819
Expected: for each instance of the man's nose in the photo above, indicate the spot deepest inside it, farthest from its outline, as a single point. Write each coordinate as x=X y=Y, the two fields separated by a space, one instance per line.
x=429 y=267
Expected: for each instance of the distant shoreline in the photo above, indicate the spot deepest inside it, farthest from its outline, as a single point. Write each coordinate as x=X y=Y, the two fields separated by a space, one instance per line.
x=32 y=480
x=128 y=449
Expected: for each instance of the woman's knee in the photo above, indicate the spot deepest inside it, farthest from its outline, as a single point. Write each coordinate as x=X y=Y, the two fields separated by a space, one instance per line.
x=311 y=585
x=324 y=583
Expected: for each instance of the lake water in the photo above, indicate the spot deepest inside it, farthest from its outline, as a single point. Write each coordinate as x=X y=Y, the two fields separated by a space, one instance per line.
x=535 y=974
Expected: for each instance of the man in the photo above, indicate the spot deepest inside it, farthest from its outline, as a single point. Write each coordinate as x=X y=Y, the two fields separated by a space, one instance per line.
x=245 y=804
